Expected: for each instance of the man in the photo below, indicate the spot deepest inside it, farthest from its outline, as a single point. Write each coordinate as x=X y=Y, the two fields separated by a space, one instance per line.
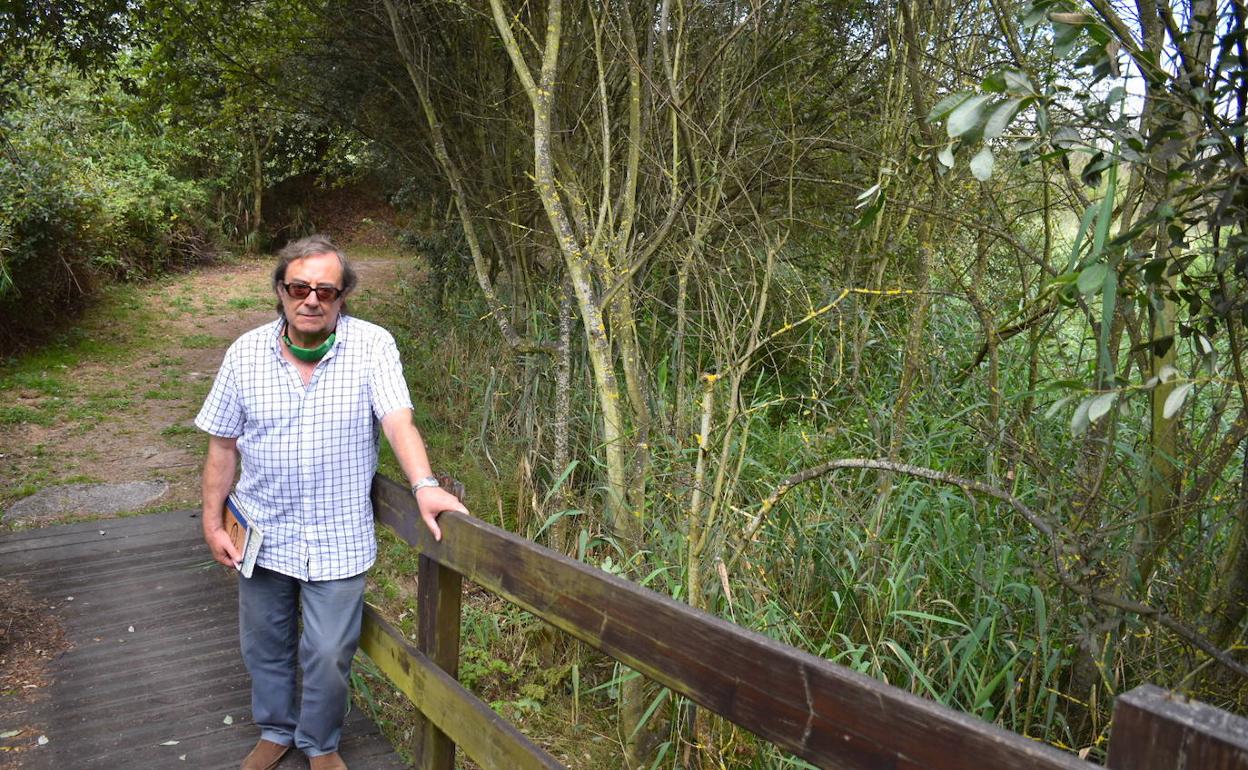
x=299 y=400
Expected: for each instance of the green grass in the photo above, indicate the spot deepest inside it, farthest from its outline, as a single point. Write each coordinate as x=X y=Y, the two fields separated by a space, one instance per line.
x=203 y=341
x=42 y=381
x=17 y=415
x=165 y=392
x=248 y=303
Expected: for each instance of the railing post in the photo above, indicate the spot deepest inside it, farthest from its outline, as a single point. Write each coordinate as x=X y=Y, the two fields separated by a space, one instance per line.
x=1157 y=730
x=437 y=607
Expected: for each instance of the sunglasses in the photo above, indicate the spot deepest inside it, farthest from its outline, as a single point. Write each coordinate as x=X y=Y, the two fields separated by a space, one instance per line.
x=302 y=290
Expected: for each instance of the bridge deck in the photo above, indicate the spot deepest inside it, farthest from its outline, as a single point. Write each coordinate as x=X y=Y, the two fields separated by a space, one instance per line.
x=153 y=656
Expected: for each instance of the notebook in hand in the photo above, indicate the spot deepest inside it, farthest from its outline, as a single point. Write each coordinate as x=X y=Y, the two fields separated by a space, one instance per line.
x=244 y=533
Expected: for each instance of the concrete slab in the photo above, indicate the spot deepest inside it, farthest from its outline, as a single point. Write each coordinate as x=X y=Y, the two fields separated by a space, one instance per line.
x=67 y=499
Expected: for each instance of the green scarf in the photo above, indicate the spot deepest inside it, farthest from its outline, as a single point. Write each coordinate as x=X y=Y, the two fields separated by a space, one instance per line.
x=310 y=354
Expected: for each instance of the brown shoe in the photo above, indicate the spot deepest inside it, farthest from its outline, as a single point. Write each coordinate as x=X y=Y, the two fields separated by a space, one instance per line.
x=330 y=761
x=264 y=756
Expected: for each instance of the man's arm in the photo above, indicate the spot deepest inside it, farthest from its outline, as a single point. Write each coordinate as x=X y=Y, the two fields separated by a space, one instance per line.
x=217 y=480
x=409 y=448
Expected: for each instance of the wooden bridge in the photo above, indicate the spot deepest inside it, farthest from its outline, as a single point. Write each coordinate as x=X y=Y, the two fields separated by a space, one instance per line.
x=154 y=661
x=153 y=679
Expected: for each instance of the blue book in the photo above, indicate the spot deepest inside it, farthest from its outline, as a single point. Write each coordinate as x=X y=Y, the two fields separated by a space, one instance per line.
x=245 y=535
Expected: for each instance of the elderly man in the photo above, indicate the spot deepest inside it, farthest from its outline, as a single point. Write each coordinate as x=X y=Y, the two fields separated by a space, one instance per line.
x=299 y=400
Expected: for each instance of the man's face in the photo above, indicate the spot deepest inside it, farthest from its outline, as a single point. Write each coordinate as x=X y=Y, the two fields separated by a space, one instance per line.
x=310 y=320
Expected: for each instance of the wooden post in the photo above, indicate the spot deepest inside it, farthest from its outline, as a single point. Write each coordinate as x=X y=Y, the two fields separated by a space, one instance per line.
x=437 y=600
x=1158 y=730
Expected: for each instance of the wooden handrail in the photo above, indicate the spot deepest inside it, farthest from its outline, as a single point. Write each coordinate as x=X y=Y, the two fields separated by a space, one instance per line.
x=822 y=712
x=461 y=717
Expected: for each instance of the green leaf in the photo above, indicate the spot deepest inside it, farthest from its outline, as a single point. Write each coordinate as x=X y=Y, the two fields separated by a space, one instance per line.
x=1000 y=117
x=966 y=116
x=865 y=194
x=552 y=518
x=1057 y=406
x=981 y=164
x=1079 y=420
x=1100 y=406
x=946 y=106
x=1059 y=281
x=1064 y=38
x=994 y=83
x=929 y=616
x=945 y=156
x=1092 y=278
x=1033 y=14
x=1065 y=137
x=559 y=482
x=1068 y=18
x=1017 y=82
x=1174 y=401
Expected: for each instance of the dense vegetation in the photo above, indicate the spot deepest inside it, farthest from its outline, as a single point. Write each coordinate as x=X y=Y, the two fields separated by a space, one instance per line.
x=907 y=333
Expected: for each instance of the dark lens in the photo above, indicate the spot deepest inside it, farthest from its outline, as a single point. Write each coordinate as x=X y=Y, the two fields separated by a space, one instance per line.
x=326 y=293
x=298 y=290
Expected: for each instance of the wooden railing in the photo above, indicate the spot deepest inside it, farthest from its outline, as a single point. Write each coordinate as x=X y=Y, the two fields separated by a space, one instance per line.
x=825 y=713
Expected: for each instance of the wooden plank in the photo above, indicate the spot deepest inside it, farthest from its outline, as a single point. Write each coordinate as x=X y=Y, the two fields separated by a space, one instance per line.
x=116 y=695
x=117 y=569
x=484 y=736
x=1154 y=729
x=118 y=533
x=437 y=605
x=817 y=710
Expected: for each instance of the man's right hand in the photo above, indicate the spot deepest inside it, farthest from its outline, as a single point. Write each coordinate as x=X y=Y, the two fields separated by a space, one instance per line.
x=222 y=548
x=219 y=468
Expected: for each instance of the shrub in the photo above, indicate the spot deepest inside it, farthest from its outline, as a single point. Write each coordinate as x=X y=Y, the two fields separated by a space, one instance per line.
x=85 y=194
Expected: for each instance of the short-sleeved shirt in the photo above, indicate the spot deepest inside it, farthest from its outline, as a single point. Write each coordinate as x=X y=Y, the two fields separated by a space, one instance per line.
x=308 y=453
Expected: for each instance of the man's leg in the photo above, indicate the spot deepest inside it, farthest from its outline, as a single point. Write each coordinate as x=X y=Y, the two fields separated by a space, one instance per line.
x=332 y=610
x=268 y=624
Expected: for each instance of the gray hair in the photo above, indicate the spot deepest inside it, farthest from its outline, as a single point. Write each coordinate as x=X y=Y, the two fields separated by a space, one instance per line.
x=311 y=246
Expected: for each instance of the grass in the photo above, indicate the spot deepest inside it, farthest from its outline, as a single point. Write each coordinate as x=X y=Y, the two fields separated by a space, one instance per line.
x=203 y=341
x=18 y=415
x=248 y=303
x=943 y=597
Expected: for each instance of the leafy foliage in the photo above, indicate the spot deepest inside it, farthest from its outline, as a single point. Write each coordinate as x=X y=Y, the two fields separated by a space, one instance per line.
x=86 y=192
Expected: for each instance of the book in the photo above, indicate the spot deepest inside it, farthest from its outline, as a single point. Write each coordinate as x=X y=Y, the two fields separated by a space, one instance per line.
x=245 y=534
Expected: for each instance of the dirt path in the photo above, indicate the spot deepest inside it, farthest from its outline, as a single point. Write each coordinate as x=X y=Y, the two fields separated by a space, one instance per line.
x=117 y=404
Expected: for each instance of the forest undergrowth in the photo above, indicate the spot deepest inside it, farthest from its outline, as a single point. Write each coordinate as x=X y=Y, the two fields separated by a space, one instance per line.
x=939 y=590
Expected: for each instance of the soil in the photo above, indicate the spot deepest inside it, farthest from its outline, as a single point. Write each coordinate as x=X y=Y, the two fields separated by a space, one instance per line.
x=131 y=416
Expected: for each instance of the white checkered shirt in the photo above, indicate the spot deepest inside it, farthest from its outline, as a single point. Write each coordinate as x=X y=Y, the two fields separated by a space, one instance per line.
x=308 y=454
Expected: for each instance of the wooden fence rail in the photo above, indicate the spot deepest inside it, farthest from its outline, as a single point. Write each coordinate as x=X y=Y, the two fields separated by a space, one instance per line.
x=827 y=714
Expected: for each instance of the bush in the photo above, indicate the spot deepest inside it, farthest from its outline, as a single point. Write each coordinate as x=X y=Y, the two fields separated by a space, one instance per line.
x=85 y=194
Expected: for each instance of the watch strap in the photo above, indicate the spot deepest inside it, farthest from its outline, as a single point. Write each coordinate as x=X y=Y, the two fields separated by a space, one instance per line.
x=427 y=481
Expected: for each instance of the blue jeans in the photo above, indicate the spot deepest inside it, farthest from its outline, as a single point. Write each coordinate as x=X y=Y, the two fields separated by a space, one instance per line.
x=268 y=622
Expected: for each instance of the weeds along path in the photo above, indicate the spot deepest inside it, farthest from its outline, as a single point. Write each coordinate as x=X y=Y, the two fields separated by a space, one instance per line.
x=114 y=400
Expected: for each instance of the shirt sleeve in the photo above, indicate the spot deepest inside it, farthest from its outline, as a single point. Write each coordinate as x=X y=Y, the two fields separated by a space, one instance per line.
x=222 y=412
x=387 y=387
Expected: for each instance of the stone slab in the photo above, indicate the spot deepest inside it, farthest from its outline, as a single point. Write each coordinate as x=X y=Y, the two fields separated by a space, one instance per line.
x=67 y=499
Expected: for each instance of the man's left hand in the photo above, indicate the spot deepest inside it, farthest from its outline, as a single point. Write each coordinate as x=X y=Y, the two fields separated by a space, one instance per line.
x=433 y=501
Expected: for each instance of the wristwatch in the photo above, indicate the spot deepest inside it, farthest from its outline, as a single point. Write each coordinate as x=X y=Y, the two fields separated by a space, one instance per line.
x=427 y=481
